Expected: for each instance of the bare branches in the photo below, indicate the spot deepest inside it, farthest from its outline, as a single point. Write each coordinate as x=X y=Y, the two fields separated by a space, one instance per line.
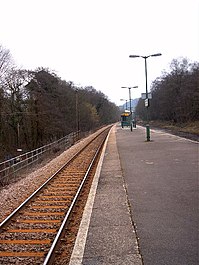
x=6 y=61
x=175 y=94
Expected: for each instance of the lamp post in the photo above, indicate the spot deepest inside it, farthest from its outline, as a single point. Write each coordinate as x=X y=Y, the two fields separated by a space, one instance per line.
x=129 y=88
x=77 y=111
x=147 y=98
x=18 y=138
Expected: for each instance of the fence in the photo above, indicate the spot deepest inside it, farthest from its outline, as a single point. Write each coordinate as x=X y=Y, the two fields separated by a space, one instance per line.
x=14 y=164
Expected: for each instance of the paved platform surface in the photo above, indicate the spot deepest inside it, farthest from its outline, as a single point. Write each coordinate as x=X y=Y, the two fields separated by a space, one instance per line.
x=144 y=193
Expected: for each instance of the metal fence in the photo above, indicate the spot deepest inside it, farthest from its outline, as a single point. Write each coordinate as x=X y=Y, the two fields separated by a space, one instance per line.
x=14 y=164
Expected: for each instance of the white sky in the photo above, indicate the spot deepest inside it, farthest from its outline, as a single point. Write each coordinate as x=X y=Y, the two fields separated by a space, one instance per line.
x=89 y=41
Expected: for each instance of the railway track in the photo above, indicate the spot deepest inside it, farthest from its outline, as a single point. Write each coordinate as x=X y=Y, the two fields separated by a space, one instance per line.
x=33 y=232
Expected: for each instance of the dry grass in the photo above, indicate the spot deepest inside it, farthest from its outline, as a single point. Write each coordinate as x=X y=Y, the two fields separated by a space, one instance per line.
x=189 y=127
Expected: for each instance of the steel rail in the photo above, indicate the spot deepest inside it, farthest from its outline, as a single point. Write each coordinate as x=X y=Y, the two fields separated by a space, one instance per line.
x=51 y=253
x=9 y=217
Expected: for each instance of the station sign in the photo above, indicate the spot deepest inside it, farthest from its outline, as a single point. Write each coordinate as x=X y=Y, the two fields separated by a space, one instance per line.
x=143 y=95
x=126 y=114
x=146 y=102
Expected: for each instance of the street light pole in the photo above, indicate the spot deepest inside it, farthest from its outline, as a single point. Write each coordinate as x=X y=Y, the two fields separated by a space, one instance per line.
x=129 y=88
x=147 y=96
x=130 y=99
x=146 y=76
x=77 y=111
x=148 y=137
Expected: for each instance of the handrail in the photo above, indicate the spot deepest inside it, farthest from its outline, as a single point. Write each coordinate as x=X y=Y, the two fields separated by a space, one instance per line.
x=17 y=163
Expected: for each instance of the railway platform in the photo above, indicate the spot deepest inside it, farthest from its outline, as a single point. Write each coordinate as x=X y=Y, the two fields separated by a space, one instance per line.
x=142 y=207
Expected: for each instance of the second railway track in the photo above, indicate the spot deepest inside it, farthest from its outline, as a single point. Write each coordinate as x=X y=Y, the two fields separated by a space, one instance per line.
x=32 y=233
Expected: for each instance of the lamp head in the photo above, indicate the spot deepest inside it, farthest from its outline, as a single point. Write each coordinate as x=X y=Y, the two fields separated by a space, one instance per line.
x=156 y=54
x=134 y=56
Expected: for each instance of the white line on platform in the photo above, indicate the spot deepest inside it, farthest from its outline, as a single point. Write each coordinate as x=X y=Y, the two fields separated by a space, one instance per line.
x=78 y=250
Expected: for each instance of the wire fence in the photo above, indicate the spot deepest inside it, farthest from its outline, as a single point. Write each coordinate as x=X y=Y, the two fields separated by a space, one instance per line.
x=17 y=163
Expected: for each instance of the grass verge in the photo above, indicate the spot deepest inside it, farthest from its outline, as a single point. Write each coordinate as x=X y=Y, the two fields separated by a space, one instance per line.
x=189 y=130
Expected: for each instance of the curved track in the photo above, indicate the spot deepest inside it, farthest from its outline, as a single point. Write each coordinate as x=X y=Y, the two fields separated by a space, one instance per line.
x=31 y=234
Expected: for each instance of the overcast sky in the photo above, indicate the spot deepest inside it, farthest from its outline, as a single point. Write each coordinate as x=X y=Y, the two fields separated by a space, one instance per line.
x=89 y=41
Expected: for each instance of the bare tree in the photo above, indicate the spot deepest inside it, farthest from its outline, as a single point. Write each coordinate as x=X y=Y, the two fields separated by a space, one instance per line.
x=6 y=62
x=38 y=107
x=175 y=94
